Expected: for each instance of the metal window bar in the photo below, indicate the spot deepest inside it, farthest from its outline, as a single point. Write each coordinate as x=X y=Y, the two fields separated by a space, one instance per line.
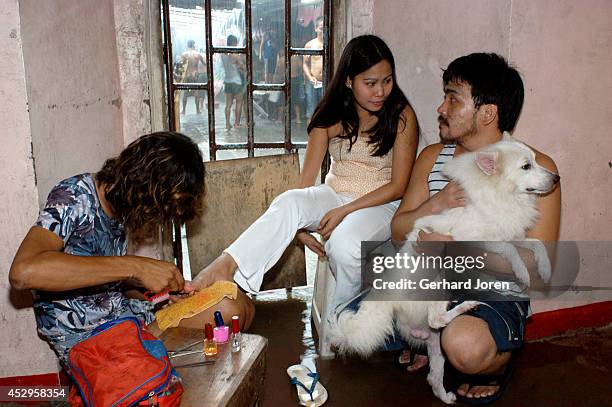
x=250 y=145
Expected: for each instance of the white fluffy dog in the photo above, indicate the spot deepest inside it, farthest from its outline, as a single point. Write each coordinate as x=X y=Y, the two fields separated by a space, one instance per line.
x=501 y=182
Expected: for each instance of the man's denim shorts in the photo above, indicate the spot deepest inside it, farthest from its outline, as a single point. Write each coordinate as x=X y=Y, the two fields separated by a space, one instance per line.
x=506 y=320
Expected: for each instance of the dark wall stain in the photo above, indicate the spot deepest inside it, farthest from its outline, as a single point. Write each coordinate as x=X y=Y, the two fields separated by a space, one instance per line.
x=116 y=102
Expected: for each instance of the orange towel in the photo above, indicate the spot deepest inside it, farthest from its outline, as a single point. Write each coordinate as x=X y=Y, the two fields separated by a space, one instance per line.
x=170 y=316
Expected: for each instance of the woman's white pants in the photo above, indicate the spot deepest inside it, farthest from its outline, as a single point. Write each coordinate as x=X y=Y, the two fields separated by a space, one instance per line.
x=263 y=243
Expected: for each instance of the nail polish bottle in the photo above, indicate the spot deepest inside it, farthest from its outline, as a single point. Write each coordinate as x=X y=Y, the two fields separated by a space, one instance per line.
x=220 y=332
x=236 y=335
x=210 y=346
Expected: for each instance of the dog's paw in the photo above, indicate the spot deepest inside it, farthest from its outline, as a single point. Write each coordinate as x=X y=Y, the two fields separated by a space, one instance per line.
x=521 y=273
x=447 y=397
x=437 y=321
x=544 y=269
x=412 y=236
x=466 y=306
x=438 y=389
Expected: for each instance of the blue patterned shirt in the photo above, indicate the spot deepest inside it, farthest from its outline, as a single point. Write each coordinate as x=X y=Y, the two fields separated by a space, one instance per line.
x=73 y=212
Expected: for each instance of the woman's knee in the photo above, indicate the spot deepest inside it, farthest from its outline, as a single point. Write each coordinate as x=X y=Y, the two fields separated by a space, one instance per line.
x=242 y=306
x=290 y=198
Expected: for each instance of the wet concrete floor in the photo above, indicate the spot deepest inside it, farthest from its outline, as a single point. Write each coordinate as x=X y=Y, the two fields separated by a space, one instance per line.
x=571 y=370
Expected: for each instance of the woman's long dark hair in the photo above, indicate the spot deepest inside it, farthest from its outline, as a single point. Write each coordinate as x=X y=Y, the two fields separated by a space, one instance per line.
x=338 y=103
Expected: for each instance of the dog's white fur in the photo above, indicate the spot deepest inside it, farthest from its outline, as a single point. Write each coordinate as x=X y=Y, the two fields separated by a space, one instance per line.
x=502 y=183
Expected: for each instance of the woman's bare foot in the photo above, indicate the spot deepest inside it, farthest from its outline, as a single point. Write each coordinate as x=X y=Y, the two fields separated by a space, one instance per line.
x=221 y=269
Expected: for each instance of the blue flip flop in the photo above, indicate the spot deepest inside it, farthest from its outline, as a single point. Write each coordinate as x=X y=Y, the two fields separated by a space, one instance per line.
x=310 y=391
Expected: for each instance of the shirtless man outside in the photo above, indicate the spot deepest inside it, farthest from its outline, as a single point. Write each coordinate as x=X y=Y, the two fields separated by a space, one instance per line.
x=483 y=97
x=192 y=59
x=313 y=70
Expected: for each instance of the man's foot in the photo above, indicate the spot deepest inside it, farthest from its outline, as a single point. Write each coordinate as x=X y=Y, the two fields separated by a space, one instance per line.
x=240 y=126
x=228 y=127
x=477 y=391
x=414 y=361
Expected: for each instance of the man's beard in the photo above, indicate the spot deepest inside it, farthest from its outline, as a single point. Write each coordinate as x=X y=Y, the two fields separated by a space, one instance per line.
x=466 y=134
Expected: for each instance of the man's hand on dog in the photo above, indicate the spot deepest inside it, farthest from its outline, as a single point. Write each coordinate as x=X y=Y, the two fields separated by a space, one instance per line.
x=451 y=196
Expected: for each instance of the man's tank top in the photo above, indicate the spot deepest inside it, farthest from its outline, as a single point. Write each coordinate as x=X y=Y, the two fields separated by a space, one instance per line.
x=436 y=180
x=356 y=172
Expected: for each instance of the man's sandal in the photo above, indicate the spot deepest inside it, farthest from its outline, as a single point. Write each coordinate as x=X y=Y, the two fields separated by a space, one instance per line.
x=310 y=391
x=453 y=379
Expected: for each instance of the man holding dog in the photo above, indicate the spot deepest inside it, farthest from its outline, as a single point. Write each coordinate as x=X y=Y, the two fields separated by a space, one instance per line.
x=483 y=97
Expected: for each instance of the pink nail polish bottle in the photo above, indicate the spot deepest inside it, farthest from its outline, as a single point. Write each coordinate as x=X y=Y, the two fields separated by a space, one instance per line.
x=221 y=332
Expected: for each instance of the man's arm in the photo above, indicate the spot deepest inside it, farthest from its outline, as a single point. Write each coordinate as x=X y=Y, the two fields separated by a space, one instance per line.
x=40 y=264
x=416 y=202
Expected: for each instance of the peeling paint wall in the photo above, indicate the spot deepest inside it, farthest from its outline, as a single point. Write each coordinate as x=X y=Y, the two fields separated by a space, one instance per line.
x=70 y=57
x=361 y=18
x=133 y=73
x=21 y=351
x=81 y=69
x=562 y=49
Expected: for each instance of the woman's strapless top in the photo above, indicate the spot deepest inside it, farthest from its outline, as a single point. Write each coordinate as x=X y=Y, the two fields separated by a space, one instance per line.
x=356 y=172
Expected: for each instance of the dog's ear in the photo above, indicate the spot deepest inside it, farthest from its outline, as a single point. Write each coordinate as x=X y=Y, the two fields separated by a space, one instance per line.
x=487 y=161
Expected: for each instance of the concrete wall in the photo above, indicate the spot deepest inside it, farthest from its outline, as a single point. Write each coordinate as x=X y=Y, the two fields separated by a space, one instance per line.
x=81 y=71
x=563 y=50
x=71 y=65
x=21 y=351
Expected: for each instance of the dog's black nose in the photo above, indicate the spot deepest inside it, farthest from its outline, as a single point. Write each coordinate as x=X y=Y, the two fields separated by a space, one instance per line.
x=556 y=179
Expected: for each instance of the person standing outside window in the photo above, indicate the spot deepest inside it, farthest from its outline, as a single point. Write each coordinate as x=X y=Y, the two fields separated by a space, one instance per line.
x=313 y=70
x=192 y=60
x=234 y=83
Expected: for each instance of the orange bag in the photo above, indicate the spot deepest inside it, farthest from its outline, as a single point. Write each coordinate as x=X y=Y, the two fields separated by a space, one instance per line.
x=122 y=364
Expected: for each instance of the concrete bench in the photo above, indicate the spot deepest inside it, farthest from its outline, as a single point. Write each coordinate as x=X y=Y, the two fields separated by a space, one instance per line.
x=234 y=380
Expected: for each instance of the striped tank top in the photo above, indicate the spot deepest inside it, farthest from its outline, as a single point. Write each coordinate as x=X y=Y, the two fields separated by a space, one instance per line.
x=436 y=180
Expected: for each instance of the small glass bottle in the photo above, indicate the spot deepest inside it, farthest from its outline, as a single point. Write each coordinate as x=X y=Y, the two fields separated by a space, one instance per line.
x=210 y=346
x=236 y=335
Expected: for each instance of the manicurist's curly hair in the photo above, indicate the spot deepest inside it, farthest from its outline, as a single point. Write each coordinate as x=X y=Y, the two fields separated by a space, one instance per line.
x=157 y=179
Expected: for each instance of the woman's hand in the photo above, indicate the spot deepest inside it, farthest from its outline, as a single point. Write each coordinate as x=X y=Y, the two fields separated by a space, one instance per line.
x=451 y=196
x=308 y=240
x=331 y=220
